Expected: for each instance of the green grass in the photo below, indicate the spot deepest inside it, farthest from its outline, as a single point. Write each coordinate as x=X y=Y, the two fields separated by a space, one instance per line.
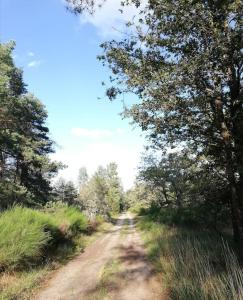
x=69 y=220
x=136 y=209
x=125 y=228
x=33 y=243
x=195 y=264
x=107 y=282
x=26 y=234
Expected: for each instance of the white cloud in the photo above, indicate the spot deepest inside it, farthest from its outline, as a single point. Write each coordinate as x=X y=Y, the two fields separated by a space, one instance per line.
x=126 y=156
x=31 y=54
x=34 y=63
x=120 y=131
x=108 y=20
x=95 y=133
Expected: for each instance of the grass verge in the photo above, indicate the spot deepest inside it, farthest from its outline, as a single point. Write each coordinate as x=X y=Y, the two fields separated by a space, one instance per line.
x=195 y=264
x=21 y=284
x=34 y=243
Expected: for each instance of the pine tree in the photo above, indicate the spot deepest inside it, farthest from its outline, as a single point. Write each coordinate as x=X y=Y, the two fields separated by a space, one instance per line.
x=25 y=168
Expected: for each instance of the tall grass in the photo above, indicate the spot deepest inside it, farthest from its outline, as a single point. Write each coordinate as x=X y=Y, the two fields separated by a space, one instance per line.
x=26 y=234
x=34 y=242
x=20 y=285
x=195 y=264
x=23 y=234
x=69 y=220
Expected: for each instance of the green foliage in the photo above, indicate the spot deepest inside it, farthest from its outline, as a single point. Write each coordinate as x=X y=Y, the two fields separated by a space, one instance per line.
x=197 y=217
x=194 y=264
x=139 y=196
x=24 y=139
x=183 y=60
x=190 y=188
x=68 y=219
x=102 y=193
x=65 y=191
x=95 y=223
x=186 y=75
x=26 y=234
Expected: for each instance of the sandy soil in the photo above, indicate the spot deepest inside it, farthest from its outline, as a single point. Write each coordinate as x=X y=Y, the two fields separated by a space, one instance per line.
x=79 y=278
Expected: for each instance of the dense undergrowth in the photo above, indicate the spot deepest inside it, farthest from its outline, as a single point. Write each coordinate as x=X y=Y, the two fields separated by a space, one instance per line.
x=194 y=263
x=33 y=242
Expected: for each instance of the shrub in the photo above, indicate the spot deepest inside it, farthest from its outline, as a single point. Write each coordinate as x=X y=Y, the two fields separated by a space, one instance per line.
x=185 y=216
x=94 y=223
x=23 y=234
x=69 y=220
x=191 y=215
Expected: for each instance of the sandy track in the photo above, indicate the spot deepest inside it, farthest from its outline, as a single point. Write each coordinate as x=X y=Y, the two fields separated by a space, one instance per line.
x=79 y=277
x=138 y=279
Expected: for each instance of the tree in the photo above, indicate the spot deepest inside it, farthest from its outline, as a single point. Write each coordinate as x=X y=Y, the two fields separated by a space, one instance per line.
x=169 y=175
x=101 y=189
x=25 y=168
x=83 y=177
x=92 y=195
x=65 y=192
x=183 y=181
x=103 y=193
x=188 y=76
x=141 y=194
x=184 y=61
x=80 y=6
x=114 y=196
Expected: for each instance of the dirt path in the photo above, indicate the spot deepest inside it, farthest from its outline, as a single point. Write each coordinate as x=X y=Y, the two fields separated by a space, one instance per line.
x=80 y=277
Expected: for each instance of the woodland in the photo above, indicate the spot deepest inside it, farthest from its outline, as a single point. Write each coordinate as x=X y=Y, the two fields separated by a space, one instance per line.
x=182 y=59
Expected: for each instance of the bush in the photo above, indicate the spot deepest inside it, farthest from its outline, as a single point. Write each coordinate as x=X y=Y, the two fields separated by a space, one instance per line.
x=25 y=233
x=69 y=219
x=94 y=223
x=200 y=215
x=184 y=216
x=138 y=209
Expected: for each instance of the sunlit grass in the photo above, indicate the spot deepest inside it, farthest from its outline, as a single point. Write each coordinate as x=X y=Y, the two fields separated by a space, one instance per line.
x=19 y=285
x=26 y=234
x=195 y=265
x=107 y=281
x=33 y=243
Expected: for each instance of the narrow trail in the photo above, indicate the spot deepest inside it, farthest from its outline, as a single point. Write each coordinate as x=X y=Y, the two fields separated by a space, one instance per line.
x=80 y=277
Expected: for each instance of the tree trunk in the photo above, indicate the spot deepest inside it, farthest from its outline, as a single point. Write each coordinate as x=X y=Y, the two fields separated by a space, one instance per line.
x=233 y=220
x=2 y=165
x=177 y=195
x=239 y=191
x=240 y=221
x=236 y=205
x=178 y=198
x=165 y=195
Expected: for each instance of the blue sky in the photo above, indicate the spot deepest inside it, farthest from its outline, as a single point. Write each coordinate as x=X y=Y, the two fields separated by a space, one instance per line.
x=57 y=52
